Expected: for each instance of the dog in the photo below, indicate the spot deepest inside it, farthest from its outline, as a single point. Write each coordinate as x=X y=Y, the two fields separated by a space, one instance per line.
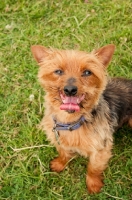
x=83 y=107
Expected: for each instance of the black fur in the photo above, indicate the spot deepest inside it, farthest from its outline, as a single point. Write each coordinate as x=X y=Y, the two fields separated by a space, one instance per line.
x=118 y=94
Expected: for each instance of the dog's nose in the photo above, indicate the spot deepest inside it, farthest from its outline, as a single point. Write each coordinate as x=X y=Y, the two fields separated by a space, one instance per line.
x=70 y=90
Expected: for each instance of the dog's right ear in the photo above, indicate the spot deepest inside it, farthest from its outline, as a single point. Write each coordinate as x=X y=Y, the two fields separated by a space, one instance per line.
x=39 y=52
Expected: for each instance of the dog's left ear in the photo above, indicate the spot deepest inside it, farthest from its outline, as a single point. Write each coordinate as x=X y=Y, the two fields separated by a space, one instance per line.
x=39 y=52
x=105 y=53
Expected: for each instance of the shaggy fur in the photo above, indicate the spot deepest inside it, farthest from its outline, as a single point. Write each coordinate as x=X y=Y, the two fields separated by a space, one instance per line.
x=107 y=106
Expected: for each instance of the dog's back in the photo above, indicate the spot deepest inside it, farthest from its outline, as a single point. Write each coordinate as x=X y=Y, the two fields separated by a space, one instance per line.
x=118 y=94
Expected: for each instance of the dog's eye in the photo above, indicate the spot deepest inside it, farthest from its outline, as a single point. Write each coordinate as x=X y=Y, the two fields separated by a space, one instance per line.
x=86 y=73
x=58 y=72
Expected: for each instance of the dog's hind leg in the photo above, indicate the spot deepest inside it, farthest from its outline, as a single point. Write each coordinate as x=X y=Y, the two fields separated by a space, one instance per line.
x=130 y=122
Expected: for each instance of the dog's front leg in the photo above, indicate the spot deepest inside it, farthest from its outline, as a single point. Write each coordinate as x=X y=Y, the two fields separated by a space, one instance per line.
x=59 y=163
x=97 y=163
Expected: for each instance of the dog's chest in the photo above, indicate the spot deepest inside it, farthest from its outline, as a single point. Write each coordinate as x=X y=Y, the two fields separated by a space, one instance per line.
x=83 y=141
x=76 y=150
x=75 y=142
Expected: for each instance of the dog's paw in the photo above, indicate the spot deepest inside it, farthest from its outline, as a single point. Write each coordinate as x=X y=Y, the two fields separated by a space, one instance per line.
x=94 y=184
x=57 y=165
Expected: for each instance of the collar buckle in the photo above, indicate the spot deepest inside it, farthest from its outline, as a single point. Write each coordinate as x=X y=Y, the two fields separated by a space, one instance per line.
x=70 y=127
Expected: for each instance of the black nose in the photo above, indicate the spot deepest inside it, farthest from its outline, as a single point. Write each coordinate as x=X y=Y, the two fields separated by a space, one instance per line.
x=70 y=90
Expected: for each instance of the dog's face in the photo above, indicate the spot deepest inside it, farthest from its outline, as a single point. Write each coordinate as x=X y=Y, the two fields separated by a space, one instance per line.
x=73 y=80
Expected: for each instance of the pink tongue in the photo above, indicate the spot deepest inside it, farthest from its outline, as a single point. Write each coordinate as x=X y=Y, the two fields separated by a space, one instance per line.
x=70 y=106
x=70 y=102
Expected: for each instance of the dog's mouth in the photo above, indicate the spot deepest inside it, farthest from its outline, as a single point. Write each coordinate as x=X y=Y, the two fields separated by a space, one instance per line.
x=71 y=103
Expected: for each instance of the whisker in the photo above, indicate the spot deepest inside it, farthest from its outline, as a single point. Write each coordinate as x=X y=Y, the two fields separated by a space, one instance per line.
x=53 y=88
x=57 y=99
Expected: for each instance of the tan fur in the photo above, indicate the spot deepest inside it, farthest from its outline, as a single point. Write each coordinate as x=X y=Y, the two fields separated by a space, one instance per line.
x=94 y=138
x=130 y=122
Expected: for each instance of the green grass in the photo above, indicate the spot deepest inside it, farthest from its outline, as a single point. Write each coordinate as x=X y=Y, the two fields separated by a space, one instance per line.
x=25 y=174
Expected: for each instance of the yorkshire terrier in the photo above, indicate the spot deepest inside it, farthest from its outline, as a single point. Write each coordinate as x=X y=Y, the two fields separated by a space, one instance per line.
x=83 y=107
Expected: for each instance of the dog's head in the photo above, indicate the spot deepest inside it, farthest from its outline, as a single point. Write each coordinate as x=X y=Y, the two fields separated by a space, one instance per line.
x=74 y=80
